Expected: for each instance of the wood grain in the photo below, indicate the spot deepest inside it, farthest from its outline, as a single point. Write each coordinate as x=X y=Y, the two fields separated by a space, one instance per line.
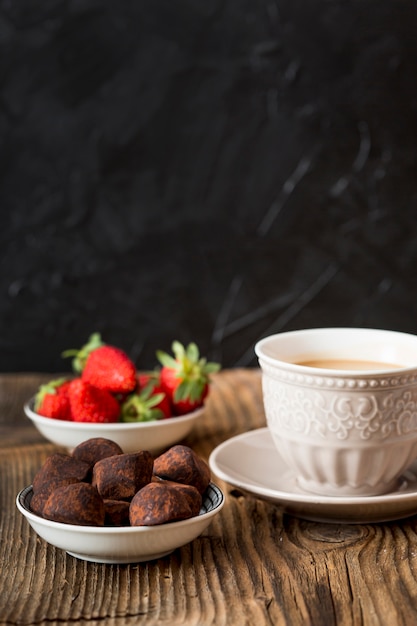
x=252 y=566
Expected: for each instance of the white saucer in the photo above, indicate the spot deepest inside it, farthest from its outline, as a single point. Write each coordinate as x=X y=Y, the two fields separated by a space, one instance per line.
x=251 y=463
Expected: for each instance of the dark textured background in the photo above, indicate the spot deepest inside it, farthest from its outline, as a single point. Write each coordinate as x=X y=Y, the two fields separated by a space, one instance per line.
x=211 y=171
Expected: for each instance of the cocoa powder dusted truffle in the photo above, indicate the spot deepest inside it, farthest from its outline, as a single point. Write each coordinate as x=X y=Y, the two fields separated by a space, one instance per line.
x=59 y=469
x=100 y=485
x=120 y=477
x=79 y=503
x=39 y=498
x=95 y=449
x=189 y=492
x=37 y=502
x=159 y=503
x=116 y=512
x=182 y=465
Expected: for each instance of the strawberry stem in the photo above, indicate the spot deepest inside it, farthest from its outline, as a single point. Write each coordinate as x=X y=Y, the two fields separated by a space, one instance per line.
x=81 y=354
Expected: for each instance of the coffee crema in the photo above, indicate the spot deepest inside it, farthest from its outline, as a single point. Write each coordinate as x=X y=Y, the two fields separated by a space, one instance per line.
x=346 y=364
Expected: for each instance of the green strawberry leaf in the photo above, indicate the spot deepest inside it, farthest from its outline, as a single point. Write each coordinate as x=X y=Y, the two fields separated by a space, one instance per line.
x=211 y=367
x=178 y=349
x=189 y=390
x=166 y=360
x=192 y=352
x=142 y=407
x=80 y=355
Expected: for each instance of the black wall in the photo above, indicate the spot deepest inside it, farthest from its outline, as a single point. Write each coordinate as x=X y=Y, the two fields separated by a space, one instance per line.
x=212 y=171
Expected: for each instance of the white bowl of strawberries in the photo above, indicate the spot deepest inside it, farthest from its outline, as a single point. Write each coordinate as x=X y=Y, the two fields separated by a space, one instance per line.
x=107 y=397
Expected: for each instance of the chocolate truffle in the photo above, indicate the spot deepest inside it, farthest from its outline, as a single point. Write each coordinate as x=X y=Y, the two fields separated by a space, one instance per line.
x=159 y=503
x=39 y=498
x=182 y=465
x=194 y=497
x=119 y=477
x=117 y=512
x=79 y=504
x=95 y=449
x=59 y=469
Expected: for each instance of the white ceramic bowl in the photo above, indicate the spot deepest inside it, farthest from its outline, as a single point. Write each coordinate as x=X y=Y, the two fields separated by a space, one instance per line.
x=128 y=544
x=344 y=432
x=131 y=437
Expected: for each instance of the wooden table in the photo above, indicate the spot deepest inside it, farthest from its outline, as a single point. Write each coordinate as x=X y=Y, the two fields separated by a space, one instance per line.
x=254 y=565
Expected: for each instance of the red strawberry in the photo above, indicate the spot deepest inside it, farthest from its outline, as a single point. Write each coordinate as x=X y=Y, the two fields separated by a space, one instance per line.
x=52 y=400
x=110 y=368
x=91 y=404
x=185 y=377
x=103 y=366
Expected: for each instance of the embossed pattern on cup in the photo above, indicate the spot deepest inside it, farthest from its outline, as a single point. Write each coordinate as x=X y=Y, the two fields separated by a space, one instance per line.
x=342 y=432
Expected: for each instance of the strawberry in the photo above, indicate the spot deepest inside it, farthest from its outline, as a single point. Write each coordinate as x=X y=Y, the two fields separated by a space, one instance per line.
x=104 y=366
x=185 y=377
x=150 y=380
x=92 y=404
x=144 y=378
x=110 y=368
x=52 y=400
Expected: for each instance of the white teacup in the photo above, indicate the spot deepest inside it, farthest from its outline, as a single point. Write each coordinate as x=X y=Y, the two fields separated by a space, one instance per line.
x=341 y=405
